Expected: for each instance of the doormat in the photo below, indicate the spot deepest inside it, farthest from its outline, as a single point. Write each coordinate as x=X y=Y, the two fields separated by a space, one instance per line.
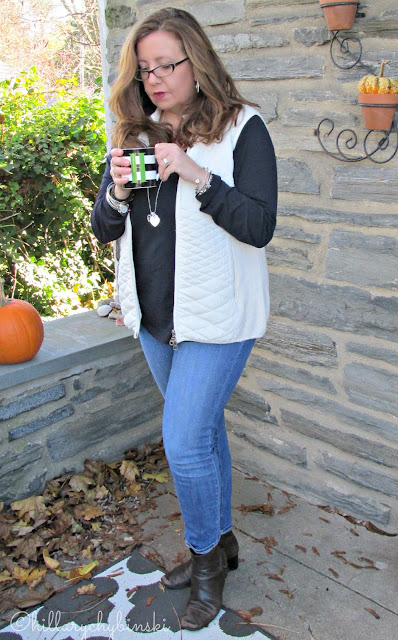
x=124 y=602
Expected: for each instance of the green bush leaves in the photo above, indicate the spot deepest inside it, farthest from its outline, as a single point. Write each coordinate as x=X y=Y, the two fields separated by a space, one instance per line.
x=52 y=155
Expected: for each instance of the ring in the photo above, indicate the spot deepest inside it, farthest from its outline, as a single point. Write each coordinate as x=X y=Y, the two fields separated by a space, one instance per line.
x=165 y=160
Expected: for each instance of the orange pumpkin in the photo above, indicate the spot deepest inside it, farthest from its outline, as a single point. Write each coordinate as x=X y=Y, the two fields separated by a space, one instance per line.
x=21 y=330
x=378 y=84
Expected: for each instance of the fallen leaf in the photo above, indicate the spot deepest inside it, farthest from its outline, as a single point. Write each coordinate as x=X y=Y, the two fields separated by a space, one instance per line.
x=51 y=563
x=78 y=573
x=115 y=573
x=80 y=482
x=155 y=557
x=133 y=488
x=27 y=547
x=324 y=520
x=267 y=509
x=246 y=615
x=86 y=589
x=129 y=592
x=372 y=527
x=373 y=613
x=32 y=578
x=149 y=600
x=87 y=568
x=367 y=524
x=300 y=548
x=256 y=611
x=101 y=492
x=30 y=506
x=268 y=540
x=5 y=530
x=274 y=576
x=287 y=593
x=336 y=575
x=161 y=477
x=287 y=507
x=129 y=470
x=173 y=516
x=315 y=550
x=21 y=529
x=92 y=511
x=5 y=576
x=354 y=533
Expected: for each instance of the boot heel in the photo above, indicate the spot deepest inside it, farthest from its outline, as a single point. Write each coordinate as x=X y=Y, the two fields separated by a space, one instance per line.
x=233 y=563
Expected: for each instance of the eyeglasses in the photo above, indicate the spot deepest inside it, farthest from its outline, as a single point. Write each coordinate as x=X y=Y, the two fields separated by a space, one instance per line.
x=161 y=71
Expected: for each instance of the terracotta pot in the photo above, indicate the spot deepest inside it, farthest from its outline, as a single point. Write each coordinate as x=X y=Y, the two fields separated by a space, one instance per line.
x=378 y=109
x=339 y=15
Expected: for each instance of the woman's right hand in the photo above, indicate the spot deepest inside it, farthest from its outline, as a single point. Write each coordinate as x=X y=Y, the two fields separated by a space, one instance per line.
x=120 y=170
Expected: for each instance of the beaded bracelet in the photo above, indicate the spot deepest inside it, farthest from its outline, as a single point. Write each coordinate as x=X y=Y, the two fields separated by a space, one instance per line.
x=206 y=185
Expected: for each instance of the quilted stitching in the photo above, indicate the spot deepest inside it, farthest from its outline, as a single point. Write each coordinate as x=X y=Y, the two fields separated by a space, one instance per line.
x=210 y=304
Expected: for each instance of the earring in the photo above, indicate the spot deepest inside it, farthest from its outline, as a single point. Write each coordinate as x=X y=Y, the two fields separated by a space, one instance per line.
x=197 y=87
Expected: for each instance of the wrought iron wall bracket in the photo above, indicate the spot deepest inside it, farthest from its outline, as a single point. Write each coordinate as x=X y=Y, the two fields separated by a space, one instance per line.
x=378 y=146
x=350 y=47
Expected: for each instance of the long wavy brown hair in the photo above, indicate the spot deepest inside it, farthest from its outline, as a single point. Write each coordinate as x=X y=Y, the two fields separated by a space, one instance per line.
x=215 y=107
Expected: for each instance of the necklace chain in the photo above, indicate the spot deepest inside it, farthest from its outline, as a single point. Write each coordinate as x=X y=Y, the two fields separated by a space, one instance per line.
x=156 y=199
x=152 y=216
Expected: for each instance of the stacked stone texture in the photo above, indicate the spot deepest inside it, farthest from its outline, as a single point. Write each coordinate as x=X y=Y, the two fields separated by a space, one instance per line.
x=316 y=410
x=52 y=424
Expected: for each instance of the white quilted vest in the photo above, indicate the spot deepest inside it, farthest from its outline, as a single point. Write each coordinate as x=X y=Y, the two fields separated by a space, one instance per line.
x=221 y=284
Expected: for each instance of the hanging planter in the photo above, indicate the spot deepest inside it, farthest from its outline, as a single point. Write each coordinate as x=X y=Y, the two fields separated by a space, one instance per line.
x=378 y=98
x=339 y=15
x=21 y=330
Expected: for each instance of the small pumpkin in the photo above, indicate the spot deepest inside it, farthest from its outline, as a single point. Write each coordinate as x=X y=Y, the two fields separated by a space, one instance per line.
x=378 y=84
x=21 y=330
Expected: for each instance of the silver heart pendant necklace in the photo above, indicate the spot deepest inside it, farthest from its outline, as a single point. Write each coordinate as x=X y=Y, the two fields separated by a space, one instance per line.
x=152 y=216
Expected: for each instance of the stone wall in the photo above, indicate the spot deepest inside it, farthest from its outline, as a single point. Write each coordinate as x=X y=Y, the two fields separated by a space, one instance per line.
x=87 y=394
x=316 y=411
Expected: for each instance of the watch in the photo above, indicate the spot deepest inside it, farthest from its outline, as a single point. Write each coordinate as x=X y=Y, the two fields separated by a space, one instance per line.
x=121 y=206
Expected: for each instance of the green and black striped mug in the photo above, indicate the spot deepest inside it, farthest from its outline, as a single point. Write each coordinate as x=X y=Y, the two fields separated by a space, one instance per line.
x=144 y=169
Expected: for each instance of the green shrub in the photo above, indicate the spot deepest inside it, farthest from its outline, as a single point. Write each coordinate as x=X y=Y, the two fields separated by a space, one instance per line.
x=52 y=155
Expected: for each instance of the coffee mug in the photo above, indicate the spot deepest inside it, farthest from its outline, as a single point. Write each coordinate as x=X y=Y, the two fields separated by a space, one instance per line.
x=144 y=169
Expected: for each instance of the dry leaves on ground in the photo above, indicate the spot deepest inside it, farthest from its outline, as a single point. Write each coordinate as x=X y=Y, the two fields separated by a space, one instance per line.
x=268 y=508
x=81 y=521
x=248 y=615
x=362 y=523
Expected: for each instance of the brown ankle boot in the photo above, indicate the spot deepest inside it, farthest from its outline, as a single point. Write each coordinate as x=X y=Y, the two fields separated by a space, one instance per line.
x=180 y=576
x=207 y=583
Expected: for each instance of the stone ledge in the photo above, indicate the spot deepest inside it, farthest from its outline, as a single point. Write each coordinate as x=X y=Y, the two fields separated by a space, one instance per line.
x=69 y=342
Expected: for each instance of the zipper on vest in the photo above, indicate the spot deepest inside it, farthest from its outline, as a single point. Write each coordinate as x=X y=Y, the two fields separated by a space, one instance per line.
x=173 y=340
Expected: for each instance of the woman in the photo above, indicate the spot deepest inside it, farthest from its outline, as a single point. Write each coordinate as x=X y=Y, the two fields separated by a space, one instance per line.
x=193 y=285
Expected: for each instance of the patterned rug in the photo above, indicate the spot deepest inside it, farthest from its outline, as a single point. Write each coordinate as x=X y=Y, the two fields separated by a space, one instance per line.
x=127 y=602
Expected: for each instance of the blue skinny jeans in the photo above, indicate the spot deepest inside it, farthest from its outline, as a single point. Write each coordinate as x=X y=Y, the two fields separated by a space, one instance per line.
x=196 y=381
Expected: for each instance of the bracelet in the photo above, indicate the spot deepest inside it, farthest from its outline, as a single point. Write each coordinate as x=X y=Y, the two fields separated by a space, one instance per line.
x=121 y=206
x=206 y=185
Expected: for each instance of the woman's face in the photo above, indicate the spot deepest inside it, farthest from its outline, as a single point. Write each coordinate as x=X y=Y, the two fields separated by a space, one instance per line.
x=172 y=93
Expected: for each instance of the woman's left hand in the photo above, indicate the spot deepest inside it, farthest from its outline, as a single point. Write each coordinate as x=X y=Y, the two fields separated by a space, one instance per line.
x=172 y=159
